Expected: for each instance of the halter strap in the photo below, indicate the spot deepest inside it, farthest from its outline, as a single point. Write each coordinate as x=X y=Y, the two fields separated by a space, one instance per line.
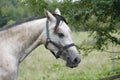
x=47 y=29
x=60 y=48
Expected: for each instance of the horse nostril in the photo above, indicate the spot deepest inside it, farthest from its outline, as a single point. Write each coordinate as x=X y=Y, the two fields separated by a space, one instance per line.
x=76 y=60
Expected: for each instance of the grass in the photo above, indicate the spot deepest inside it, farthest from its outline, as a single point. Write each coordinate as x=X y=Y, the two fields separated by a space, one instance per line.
x=42 y=65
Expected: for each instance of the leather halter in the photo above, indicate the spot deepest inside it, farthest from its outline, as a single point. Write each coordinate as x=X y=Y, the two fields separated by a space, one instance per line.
x=60 y=48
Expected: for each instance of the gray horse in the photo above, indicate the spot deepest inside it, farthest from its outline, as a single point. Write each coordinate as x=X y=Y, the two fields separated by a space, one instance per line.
x=18 y=40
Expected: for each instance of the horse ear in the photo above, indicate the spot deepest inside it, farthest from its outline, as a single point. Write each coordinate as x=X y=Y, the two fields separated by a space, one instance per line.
x=49 y=15
x=57 y=11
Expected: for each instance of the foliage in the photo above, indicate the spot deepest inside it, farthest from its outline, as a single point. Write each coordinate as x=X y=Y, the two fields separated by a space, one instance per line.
x=36 y=7
x=11 y=10
x=100 y=17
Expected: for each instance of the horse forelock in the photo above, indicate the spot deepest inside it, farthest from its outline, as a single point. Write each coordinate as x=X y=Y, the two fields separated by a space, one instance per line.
x=59 y=18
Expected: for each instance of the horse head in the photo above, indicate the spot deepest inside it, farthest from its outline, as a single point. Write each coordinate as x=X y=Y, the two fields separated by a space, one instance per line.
x=58 y=39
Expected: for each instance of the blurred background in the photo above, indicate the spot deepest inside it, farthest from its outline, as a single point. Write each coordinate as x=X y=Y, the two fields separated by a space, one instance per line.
x=96 y=32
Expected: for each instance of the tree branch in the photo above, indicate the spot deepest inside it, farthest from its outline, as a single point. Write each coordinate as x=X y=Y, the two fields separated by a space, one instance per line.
x=111 y=77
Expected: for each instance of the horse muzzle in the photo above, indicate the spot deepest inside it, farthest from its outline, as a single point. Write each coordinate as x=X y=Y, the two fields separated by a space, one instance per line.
x=72 y=63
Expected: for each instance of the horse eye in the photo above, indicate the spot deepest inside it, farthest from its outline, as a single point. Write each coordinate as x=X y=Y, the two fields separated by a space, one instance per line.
x=61 y=35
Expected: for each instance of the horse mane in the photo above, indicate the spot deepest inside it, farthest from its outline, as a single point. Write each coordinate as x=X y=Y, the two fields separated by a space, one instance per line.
x=20 y=22
x=58 y=18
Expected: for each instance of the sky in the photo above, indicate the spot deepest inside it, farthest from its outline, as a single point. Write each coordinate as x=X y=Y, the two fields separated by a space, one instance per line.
x=72 y=0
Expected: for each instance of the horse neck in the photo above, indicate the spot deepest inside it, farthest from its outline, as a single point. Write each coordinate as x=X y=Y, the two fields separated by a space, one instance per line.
x=18 y=39
x=31 y=31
